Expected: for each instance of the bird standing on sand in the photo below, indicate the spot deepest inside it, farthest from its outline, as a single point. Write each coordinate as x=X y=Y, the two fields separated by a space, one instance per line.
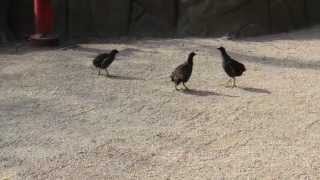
x=231 y=66
x=183 y=72
x=103 y=61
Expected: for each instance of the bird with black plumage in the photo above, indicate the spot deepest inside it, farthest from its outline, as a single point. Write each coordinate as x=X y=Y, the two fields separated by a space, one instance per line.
x=104 y=60
x=183 y=72
x=232 y=67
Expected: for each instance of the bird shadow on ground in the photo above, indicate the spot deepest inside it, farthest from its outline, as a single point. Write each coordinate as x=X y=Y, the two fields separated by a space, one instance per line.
x=130 y=51
x=117 y=77
x=275 y=62
x=123 y=53
x=255 y=90
x=203 y=93
x=89 y=50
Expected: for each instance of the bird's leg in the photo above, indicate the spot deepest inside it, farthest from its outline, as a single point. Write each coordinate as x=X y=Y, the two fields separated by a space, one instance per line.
x=176 y=86
x=228 y=83
x=99 y=72
x=107 y=73
x=234 y=82
x=185 y=86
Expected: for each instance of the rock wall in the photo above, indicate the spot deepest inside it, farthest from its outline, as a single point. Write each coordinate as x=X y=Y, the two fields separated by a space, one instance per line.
x=109 y=18
x=312 y=11
x=152 y=17
x=4 y=9
x=16 y=19
x=98 y=17
x=210 y=18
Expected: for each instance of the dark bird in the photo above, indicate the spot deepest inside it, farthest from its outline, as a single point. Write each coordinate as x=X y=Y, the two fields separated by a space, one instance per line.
x=183 y=72
x=103 y=61
x=232 y=67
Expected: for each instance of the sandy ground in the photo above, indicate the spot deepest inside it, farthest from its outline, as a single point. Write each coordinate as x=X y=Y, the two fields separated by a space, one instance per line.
x=59 y=120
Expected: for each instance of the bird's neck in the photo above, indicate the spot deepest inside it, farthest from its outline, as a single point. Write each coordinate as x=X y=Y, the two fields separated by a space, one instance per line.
x=224 y=54
x=190 y=60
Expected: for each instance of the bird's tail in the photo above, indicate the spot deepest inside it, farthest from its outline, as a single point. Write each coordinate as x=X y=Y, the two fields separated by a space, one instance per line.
x=94 y=63
x=172 y=77
x=244 y=68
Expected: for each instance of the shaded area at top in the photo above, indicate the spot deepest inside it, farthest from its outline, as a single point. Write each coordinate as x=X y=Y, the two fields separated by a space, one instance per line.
x=153 y=18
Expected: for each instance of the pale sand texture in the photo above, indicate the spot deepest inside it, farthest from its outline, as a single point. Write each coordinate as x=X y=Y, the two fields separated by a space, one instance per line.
x=59 y=120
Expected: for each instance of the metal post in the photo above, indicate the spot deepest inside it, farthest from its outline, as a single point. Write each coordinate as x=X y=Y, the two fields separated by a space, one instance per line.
x=44 y=21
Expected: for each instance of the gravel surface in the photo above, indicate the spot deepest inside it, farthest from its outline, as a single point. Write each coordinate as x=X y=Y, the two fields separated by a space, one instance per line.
x=60 y=120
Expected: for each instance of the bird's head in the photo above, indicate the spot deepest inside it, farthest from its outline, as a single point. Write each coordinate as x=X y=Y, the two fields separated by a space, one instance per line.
x=114 y=51
x=192 y=54
x=221 y=48
x=190 y=58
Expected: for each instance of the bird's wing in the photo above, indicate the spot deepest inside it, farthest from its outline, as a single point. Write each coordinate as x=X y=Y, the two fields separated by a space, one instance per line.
x=109 y=59
x=178 y=73
x=229 y=68
x=101 y=57
x=239 y=65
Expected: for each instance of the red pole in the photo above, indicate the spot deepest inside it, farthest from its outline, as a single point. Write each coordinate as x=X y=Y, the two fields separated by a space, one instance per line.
x=43 y=12
x=43 y=16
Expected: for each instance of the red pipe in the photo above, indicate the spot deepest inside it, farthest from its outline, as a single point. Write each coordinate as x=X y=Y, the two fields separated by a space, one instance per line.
x=43 y=11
